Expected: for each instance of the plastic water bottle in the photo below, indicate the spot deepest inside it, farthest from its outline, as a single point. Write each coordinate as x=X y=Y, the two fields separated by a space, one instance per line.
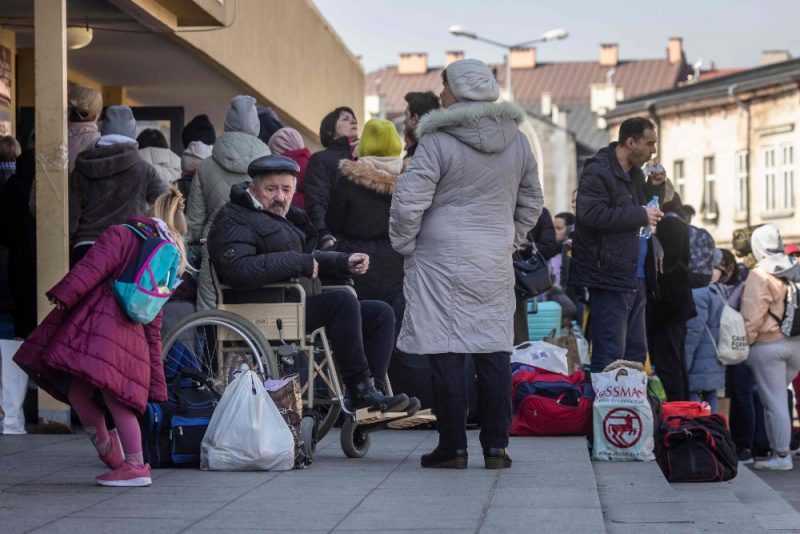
x=647 y=231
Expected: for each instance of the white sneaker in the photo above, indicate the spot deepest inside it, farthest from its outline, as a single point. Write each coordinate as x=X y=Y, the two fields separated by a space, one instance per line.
x=775 y=463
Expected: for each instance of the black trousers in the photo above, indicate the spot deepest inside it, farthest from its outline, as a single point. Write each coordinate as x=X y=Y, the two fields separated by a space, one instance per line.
x=667 y=355
x=361 y=334
x=450 y=398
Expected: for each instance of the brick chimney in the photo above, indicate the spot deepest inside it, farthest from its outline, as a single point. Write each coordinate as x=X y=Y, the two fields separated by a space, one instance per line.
x=675 y=50
x=609 y=54
x=413 y=63
x=453 y=55
x=768 y=57
x=522 y=58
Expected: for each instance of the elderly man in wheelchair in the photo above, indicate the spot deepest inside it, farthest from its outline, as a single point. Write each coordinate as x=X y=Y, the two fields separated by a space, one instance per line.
x=260 y=238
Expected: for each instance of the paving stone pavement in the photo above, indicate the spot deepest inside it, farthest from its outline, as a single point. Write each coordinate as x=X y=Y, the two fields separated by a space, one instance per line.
x=47 y=485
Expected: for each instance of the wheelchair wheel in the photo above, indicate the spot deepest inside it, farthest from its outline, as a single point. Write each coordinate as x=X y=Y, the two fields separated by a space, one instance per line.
x=220 y=344
x=355 y=441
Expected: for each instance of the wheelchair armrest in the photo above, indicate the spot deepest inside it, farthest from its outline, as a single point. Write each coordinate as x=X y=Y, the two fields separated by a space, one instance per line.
x=291 y=284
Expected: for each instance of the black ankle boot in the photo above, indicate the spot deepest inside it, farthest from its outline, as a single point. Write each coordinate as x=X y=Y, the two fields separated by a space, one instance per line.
x=364 y=395
x=494 y=458
x=445 y=459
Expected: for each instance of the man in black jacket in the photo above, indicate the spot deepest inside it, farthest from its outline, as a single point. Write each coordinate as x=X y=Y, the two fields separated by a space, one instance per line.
x=668 y=311
x=609 y=255
x=259 y=237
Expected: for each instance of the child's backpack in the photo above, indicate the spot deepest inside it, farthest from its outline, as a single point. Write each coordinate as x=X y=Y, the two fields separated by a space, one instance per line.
x=790 y=322
x=550 y=404
x=147 y=283
x=697 y=449
x=701 y=257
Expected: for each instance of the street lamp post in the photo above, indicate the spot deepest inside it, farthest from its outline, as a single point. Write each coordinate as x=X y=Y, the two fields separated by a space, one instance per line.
x=551 y=35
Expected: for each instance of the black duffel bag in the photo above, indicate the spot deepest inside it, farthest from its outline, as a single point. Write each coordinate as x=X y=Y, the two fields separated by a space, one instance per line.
x=172 y=431
x=697 y=449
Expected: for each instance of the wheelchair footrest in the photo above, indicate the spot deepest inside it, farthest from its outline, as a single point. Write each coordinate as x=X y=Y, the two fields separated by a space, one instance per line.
x=365 y=416
x=422 y=417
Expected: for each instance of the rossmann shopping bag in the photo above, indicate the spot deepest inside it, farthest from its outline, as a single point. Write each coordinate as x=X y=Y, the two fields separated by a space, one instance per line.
x=622 y=417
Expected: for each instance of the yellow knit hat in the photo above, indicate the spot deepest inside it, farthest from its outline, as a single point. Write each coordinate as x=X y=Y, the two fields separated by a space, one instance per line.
x=379 y=138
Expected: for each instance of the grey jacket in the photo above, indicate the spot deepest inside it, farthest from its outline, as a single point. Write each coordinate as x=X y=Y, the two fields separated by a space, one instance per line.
x=211 y=189
x=471 y=192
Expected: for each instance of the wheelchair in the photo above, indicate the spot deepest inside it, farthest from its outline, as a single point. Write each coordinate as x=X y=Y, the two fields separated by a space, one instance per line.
x=270 y=338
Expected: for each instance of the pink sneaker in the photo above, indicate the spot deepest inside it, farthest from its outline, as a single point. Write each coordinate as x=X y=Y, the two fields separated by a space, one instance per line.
x=114 y=458
x=127 y=476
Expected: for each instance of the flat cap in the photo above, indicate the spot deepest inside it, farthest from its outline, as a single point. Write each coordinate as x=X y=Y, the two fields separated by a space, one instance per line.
x=272 y=163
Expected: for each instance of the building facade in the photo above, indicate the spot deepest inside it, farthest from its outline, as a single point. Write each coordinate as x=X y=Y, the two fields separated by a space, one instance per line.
x=567 y=97
x=730 y=145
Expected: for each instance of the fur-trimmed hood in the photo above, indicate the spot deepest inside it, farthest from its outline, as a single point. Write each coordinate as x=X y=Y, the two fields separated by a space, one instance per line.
x=486 y=127
x=378 y=174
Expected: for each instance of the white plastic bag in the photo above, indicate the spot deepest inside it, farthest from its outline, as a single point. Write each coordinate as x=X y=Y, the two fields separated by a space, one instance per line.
x=622 y=416
x=13 y=387
x=246 y=432
x=542 y=355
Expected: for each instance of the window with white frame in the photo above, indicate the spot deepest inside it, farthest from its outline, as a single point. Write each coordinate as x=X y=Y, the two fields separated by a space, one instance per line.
x=786 y=177
x=769 y=173
x=679 y=178
x=742 y=169
x=709 y=188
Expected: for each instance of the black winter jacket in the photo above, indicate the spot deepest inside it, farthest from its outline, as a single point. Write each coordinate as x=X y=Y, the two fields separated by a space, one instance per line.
x=674 y=301
x=359 y=218
x=544 y=235
x=321 y=179
x=250 y=247
x=18 y=233
x=605 y=248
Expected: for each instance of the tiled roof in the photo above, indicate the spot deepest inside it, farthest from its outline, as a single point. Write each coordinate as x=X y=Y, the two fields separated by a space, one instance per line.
x=706 y=75
x=568 y=82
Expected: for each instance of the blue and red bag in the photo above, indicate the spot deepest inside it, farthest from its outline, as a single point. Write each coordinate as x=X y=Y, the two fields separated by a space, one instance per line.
x=147 y=283
x=550 y=404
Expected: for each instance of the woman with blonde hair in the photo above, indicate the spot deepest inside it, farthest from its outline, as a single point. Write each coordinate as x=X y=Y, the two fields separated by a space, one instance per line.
x=88 y=346
x=85 y=105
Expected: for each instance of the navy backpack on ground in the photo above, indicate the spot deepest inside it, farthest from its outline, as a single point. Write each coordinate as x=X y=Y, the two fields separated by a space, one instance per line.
x=172 y=431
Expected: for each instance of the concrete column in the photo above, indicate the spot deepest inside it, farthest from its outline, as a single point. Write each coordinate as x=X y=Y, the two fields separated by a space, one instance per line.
x=52 y=231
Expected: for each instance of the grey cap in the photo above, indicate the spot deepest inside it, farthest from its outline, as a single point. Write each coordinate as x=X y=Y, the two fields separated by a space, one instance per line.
x=272 y=163
x=471 y=80
x=242 y=116
x=119 y=120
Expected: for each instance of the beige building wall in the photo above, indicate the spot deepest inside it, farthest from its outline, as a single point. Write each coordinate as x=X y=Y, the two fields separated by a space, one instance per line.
x=268 y=48
x=690 y=139
x=720 y=131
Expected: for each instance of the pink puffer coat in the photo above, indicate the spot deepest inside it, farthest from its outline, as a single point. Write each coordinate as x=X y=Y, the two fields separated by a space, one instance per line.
x=93 y=338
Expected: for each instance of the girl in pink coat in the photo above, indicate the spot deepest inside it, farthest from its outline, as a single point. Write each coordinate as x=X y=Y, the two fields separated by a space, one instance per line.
x=88 y=347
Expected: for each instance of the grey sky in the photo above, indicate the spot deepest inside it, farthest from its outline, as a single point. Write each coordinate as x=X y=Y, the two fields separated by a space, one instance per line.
x=732 y=33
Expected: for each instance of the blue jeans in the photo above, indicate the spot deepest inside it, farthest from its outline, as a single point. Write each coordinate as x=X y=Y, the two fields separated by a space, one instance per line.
x=618 y=325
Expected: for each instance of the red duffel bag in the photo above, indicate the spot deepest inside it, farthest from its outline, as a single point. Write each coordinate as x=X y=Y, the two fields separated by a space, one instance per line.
x=550 y=404
x=688 y=409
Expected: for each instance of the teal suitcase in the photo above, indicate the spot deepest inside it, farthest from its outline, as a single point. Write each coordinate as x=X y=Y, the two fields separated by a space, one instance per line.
x=543 y=318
